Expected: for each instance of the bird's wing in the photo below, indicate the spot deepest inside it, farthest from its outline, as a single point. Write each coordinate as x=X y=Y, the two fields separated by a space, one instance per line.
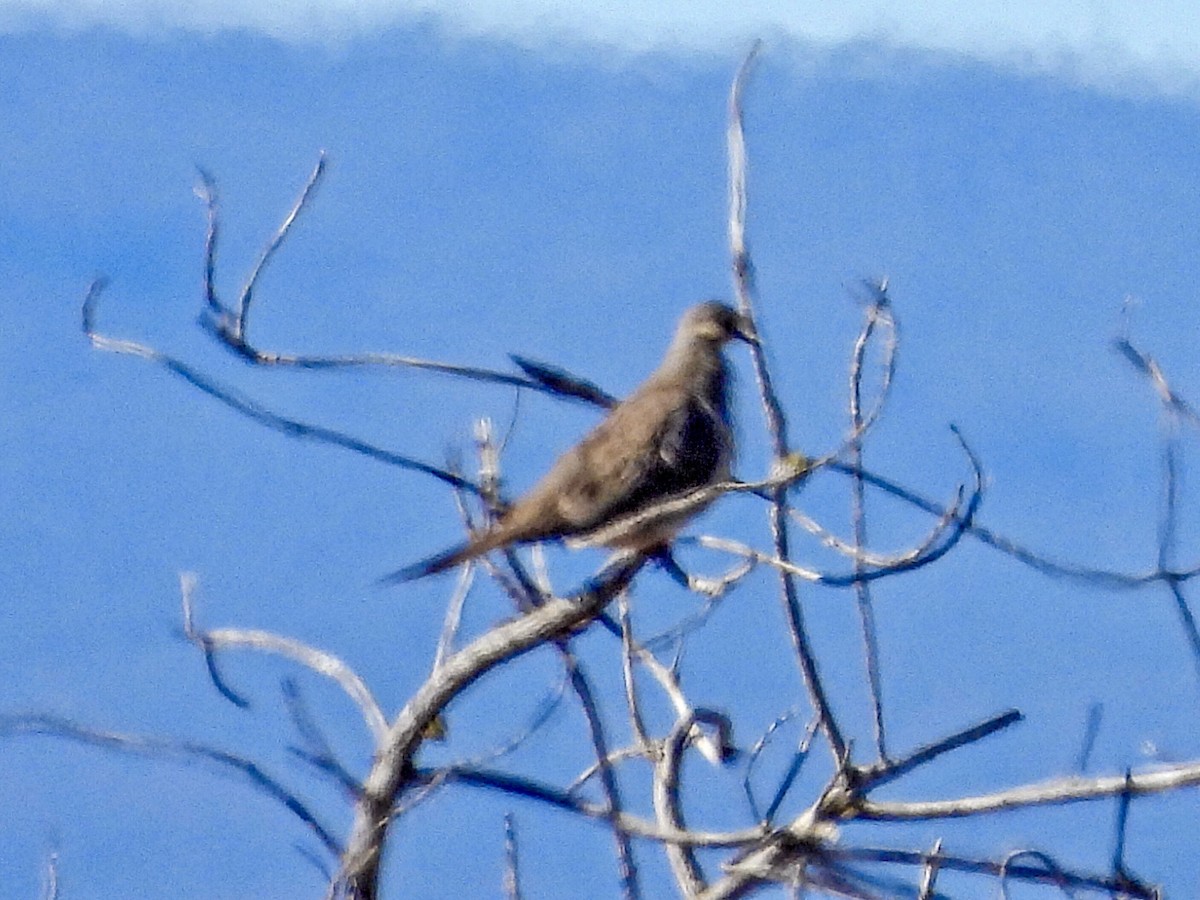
x=661 y=442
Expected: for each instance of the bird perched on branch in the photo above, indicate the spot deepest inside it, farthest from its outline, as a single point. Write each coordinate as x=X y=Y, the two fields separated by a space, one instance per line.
x=670 y=437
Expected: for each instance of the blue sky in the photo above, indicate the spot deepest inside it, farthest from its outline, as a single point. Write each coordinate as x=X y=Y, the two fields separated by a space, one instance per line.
x=550 y=181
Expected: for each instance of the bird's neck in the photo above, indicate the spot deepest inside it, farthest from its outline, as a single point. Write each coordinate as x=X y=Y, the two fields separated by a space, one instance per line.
x=702 y=368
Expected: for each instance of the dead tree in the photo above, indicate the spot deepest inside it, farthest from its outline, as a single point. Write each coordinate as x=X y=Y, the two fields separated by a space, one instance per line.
x=814 y=851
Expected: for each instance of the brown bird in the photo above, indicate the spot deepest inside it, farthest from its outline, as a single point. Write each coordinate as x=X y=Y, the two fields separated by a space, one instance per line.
x=671 y=436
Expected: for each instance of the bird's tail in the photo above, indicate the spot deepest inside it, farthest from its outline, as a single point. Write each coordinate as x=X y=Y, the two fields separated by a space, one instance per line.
x=447 y=559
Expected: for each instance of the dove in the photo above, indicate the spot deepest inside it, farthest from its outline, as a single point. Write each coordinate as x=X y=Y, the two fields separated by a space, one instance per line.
x=671 y=436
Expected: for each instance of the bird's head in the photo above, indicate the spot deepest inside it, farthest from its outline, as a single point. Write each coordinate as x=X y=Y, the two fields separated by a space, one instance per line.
x=715 y=322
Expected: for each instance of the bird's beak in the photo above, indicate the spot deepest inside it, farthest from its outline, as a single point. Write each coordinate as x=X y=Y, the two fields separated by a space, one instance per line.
x=745 y=331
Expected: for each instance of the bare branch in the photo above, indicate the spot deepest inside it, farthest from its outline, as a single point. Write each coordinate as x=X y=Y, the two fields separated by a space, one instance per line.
x=888 y=771
x=619 y=755
x=743 y=275
x=949 y=530
x=864 y=558
x=453 y=618
x=50 y=877
x=799 y=758
x=879 y=317
x=630 y=888
x=1047 y=872
x=756 y=751
x=318 y=752
x=668 y=680
x=230 y=325
x=512 y=871
x=247 y=294
x=1091 y=730
x=930 y=870
x=667 y=807
x=318 y=661
x=1048 y=793
x=1149 y=367
x=392 y=768
x=1087 y=574
x=632 y=705
x=567 y=801
x=1187 y=618
x=207 y=192
x=164 y=748
x=878 y=310
x=1052 y=868
x=251 y=409
x=1118 y=859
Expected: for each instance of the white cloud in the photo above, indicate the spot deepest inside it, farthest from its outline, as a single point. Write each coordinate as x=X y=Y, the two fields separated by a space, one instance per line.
x=1112 y=44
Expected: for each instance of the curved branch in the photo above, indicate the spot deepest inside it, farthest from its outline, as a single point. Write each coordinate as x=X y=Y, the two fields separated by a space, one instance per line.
x=392 y=769
x=567 y=801
x=1105 y=577
x=956 y=524
x=252 y=409
x=229 y=325
x=667 y=807
x=165 y=748
x=318 y=661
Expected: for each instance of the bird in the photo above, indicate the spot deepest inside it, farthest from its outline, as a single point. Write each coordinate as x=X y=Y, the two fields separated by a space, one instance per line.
x=672 y=435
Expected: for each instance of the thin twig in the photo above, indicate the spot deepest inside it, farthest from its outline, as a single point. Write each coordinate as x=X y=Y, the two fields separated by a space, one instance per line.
x=1052 y=869
x=453 y=617
x=268 y=252
x=799 y=758
x=1048 y=793
x=862 y=589
x=955 y=523
x=546 y=708
x=756 y=750
x=512 y=869
x=1011 y=869
x=556 y=797
x=1091 y=730
x=930 y=870
x=1187 y=618
x=319 y=752
x=318 y=661
x=743 y=276
x=667 y=806
x=630 y=887
x=252 y=409
x=207 y=192
x=230 y=325
x=888 y=771
x=50 y=877
x=1123 y=801
x=1086 y=574
x=632 y=705
x=165 y=748
x=1174 y=412
x=1149 y=367
x=870 y=559
x=668 y=679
